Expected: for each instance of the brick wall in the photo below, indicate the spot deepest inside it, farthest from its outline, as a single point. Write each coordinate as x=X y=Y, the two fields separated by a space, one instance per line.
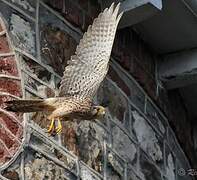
x=80 y=13
x=136 y=57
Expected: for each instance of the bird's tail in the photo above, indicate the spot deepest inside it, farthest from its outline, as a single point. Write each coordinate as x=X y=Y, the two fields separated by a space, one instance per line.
x=33 y=105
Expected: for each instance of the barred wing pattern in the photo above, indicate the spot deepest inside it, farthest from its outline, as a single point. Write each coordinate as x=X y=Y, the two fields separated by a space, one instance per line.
x=88 y=67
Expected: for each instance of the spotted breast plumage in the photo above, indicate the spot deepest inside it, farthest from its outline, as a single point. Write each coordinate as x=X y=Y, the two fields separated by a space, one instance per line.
x=82 y=77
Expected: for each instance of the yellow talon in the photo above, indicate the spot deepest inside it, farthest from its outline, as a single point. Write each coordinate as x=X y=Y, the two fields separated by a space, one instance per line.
x=51 y=126
x=59 y=126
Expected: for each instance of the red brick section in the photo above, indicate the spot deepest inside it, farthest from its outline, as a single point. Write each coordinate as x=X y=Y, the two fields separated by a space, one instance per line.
x=9 y=123
x=8 y=66
x=132 y=54
x=4 y=47
x=10 y=86
x=10 y=128
x=80 y=13
x=4 y=154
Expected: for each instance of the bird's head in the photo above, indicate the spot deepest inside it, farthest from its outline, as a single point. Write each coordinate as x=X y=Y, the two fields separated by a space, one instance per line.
x=98 y=112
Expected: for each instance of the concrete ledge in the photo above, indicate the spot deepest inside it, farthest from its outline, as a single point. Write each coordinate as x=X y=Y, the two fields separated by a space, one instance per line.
x=179 y=69
x=136 y=10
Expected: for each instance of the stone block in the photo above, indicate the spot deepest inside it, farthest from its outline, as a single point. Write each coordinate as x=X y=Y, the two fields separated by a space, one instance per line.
x=4 y=154
x=8 y=66
x=42 y=168
x=55 y=4
x=73 y=14
x=27 y=6
x=37 y=70
x=10 y=124
x=116 y=78
x=4 y=46
x=148 y=171
x=147 y=138
x=23 y=34
x=37 y=86
x=11 y=86
x=123 y=145
x=14 y=175
x=56 y=44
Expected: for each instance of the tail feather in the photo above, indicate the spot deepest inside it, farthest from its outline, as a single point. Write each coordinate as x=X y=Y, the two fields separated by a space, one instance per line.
x=26 y=105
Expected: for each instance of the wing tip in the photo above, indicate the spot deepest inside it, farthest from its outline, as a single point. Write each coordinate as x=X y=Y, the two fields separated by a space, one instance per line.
x=119 y=16
x=116 y=10
x=111 y=8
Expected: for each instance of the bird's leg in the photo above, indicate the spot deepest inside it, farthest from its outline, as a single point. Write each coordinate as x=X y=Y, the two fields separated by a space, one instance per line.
x=51 y=125
x=59 y=126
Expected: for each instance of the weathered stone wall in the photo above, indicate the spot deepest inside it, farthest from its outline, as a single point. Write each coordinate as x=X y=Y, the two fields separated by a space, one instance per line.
x=136 y=57
x=135 y=140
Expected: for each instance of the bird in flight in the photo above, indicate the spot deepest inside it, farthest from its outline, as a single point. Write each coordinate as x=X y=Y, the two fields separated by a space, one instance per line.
x=82 y=77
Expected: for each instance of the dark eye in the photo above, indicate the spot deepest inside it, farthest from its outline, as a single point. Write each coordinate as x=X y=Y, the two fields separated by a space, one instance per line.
x=95 y=108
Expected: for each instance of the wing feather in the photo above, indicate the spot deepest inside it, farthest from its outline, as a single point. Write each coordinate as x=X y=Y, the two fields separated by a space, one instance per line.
x=88 y=67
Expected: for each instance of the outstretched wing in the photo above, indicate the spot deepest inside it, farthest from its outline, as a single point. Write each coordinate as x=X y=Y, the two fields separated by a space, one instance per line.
x=88 y=67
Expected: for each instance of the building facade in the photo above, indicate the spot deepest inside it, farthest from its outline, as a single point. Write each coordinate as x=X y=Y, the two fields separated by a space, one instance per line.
x=135 y=141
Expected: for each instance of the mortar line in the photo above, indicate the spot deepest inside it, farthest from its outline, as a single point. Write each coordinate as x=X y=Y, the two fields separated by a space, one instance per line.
x=7 y=54
x=3 y=143
x=54 y=159
x=34 y=92
x=10 y=77
x=37 y=79
x=8 y=94
x=135 y=107
x=11 y=116
x=47 y=67
x=15 y=137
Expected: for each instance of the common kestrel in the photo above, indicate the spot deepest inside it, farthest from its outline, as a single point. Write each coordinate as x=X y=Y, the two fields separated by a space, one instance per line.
x=82 y=76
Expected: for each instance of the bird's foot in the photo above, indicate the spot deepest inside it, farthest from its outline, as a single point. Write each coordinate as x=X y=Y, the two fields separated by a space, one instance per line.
x=51 y=127
x=53 y=130
x=59 y=126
